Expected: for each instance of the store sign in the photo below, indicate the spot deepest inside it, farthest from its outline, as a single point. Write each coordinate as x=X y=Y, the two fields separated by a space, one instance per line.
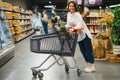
x=99 y=2
x=92 y=1
x=95 y=2
x=79 y=1
x=71 y=0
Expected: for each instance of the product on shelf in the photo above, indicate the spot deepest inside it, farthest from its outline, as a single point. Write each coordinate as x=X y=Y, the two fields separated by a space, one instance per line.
x=5 y=5
x=97 y=21
x=5 y=34
x=18 y=20
x=8 y=14
x=16 y=8
x=92 y=21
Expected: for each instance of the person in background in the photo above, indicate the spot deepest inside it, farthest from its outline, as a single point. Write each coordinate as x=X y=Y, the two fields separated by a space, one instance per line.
x=64 y=17
x=84 y=11
x=45 y=21
x=36 y=20
x=53 y=20
x=74 y=22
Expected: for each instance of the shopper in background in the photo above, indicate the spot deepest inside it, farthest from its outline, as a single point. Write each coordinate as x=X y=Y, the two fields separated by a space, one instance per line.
x=45 y=21
x=84 y=11
x=75 y=20
x=64 y=17
x=36 y=20
x=53 y=20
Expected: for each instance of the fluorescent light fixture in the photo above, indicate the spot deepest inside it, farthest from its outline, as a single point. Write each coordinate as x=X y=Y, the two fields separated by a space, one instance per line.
x=114 y=5
x=50 y=6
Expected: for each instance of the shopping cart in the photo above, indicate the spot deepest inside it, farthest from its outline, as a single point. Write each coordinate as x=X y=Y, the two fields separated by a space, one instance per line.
x=61 y=44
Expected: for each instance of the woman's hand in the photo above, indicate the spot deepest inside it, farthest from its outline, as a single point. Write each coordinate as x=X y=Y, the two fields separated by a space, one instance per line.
x=79 y=29
x=71 y=29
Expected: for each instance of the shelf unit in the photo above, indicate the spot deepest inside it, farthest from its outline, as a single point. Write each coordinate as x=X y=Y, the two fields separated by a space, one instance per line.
x=91 y=21
x=19 y=22
x=6 y=41
x=15 y=25
x=6 y=54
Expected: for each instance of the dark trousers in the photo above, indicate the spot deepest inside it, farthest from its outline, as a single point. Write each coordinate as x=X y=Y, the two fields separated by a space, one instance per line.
x=45 y=25
x=53 y=27
x=87 y=50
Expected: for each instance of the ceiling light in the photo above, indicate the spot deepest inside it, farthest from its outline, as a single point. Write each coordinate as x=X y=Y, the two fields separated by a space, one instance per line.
x=114 y=5
x=49 y=6
x=50 y=2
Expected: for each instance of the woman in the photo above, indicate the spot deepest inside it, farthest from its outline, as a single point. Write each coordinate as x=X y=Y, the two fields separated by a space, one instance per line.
x=75 y=20
x=54 y=20
x=45 y=21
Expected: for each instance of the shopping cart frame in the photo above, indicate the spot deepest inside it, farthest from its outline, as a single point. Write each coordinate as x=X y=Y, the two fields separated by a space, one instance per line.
x=62 y=38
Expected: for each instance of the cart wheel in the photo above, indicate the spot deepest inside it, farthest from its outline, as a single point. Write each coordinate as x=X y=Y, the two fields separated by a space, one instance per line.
x=66 y=68
x=78 y=72
x=40 y=75
x=34 y=74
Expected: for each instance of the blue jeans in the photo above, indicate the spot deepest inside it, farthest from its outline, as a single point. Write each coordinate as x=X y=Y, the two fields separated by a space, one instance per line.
x=87 y=50
x=45 y=26
x=53 y=27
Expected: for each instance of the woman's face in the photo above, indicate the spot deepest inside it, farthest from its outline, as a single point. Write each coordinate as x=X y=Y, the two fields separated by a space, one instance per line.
x=71 y=7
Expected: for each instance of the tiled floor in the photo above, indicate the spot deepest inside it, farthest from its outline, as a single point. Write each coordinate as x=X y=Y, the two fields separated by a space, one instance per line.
x=18 y=68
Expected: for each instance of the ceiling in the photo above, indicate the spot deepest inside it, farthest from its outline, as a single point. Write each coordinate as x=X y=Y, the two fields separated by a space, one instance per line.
x=108 y=3
x=61 y=4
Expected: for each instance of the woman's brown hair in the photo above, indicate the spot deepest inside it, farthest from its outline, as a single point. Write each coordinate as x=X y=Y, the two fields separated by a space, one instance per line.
x=75 y=5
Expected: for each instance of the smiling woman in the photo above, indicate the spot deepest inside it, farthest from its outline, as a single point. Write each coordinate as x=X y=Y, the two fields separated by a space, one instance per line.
x=72 y=7
x=75 y=21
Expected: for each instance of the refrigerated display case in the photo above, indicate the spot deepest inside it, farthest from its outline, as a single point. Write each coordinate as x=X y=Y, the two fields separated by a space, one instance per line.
x=6 y=41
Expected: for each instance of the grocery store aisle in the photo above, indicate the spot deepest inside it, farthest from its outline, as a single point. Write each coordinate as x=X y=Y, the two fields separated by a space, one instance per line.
x=18 y=68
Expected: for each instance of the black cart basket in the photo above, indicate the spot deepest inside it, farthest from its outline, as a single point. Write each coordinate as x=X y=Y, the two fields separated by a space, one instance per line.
x=60 y=43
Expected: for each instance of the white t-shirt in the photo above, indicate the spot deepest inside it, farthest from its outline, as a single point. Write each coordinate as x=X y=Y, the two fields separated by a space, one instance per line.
x=76 y=20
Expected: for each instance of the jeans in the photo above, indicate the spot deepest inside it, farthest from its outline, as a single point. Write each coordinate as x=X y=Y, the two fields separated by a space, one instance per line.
x=87 y=50
x=53 y=27
x=45 y=26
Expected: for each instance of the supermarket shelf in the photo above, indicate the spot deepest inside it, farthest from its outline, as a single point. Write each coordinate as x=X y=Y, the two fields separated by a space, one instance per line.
x=6 y=54
x=102 y=59
x=92 y=24
x=24 y=30
x=94 y=16
x=17 y=19
x=10 y=10
x=94 y=33
x=25 y=24
x=22 y=24
x=24 y=37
